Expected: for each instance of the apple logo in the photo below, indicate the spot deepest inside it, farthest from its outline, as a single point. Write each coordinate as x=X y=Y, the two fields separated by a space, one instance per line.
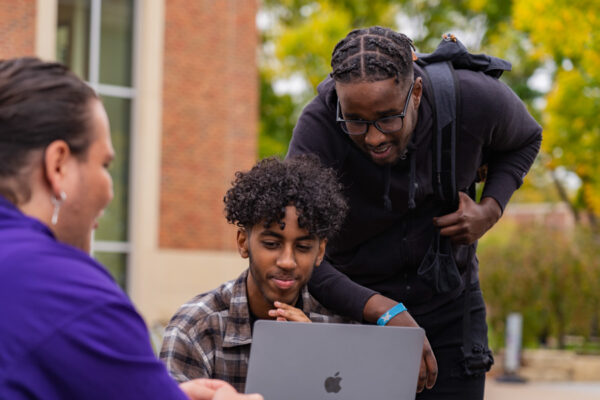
x=332 y=384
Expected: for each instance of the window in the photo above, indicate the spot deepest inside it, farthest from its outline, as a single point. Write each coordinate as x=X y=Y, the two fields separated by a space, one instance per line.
x=95 y=39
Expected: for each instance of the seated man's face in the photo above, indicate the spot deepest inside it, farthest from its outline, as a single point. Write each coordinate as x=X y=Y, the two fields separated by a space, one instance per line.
x=281 y=261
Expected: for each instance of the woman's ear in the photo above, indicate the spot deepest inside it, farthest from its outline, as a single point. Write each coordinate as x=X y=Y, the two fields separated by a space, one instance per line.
x=56 y=157
x=242 y=242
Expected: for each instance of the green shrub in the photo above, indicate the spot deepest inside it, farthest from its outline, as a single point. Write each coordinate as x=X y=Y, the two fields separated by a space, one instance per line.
x=550 y=276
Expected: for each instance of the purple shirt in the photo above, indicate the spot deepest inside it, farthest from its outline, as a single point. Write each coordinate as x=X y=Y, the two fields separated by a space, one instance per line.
x=66 y=329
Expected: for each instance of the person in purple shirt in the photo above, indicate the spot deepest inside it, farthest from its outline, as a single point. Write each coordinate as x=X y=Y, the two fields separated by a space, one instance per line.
x=66 y=330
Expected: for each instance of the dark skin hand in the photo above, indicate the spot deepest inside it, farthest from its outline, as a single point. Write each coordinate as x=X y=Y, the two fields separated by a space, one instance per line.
x=376 y=306
x=470 y=221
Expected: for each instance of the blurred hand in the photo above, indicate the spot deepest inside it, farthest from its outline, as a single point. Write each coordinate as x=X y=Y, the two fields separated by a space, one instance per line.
x=214 y=389
x=285 y=312
x=470 y=221
x=229 y=393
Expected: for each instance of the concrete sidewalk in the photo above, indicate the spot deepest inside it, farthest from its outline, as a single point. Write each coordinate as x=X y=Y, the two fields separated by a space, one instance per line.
x=541 y=390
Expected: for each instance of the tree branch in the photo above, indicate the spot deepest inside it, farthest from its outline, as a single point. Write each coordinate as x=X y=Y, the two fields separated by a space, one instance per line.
x=562 y=193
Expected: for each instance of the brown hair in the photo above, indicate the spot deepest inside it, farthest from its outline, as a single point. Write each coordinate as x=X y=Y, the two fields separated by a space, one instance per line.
x=40 y=102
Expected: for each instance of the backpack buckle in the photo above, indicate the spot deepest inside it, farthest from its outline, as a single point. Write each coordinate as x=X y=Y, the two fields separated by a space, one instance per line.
x=449 y=37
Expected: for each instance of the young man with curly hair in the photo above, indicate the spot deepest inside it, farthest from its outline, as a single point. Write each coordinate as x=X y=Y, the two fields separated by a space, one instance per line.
x=285 y=212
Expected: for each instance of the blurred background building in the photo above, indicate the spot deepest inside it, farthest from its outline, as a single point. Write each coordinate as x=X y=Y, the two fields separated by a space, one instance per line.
x=179 y=82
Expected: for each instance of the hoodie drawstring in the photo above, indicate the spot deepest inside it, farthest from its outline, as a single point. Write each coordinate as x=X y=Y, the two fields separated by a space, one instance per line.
x=412 y=181
x=387 y=202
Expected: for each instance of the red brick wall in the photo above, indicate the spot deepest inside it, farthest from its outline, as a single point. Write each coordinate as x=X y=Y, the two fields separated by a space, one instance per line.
x=210 y=117
x=17 y=28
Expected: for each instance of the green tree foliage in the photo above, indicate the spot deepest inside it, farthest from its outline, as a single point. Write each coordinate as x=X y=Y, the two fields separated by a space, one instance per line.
x=277 y=118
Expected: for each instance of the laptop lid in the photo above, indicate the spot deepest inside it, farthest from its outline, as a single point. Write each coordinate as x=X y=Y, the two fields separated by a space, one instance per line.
x=300 y=361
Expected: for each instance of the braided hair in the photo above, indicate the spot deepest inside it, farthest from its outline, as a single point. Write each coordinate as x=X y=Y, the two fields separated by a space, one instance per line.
x=372 y=54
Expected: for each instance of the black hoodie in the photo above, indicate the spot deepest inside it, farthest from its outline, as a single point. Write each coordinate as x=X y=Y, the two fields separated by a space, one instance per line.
x=389 y=228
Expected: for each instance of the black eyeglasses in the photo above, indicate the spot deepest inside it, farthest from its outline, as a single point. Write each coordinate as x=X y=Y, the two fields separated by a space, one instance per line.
x=389 y=124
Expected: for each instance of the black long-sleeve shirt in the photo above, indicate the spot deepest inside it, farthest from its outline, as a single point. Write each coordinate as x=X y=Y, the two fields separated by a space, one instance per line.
x=379 y=249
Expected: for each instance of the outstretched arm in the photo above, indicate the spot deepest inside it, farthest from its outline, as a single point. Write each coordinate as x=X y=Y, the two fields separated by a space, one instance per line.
x=339 y=293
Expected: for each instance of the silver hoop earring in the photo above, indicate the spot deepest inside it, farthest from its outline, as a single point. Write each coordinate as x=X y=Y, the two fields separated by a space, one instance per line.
x=57 y=202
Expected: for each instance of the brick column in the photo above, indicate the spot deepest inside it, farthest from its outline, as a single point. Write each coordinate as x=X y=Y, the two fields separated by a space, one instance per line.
x=17 y=28
x=210 y=117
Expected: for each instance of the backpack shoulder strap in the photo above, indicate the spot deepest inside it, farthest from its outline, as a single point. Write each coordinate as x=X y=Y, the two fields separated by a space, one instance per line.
x=443 y=85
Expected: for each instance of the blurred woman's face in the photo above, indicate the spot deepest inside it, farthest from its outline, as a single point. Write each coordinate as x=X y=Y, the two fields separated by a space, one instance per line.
x=89 y=186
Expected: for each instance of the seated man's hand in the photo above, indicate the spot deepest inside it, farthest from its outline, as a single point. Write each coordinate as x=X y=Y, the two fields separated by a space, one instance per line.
x=285 y=312
x=214 y=389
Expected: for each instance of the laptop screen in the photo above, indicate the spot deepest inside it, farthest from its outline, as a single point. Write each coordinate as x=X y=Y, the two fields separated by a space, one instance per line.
x=309 y=361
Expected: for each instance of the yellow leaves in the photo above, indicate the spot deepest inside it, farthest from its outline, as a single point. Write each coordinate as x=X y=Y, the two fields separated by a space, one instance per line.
x=590 y=58
x=303 y=42
x=305 y=47
x=572 y=124
x=477 y=5
x=578 y=124
x=582 y=170
x=591 y=196
x=308 y=47
x=558 y=26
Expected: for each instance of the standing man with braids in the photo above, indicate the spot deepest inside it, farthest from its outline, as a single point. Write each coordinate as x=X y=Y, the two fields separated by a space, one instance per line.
x=372 y=122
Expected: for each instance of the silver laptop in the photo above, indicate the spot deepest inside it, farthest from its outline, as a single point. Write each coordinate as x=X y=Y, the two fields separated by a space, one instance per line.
x=313 y=361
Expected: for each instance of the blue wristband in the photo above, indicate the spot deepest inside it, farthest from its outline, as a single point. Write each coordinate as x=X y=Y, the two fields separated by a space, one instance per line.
x=391 y=313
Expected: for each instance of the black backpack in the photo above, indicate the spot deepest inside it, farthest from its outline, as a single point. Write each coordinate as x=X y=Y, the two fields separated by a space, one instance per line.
x=441 y=81
x=439 y=67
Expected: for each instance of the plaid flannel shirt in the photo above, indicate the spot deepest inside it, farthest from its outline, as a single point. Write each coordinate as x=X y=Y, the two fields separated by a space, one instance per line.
x=210 y=336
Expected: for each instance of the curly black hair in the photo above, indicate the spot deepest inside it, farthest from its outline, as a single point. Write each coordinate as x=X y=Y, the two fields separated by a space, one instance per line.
x=261 y=195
